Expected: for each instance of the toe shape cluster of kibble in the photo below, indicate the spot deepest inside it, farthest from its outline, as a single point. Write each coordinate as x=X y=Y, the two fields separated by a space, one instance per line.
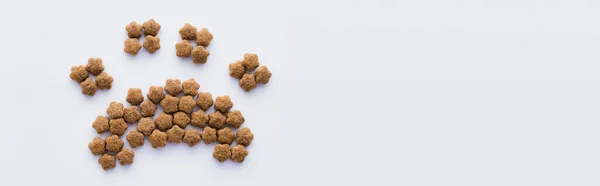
x=134 y=30
x=89 y=86
x=183 y=119
x=242 y=70
x=186 y=49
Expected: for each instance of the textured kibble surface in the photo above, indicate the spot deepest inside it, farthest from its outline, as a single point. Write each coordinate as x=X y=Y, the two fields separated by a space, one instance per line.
x=104 y=81
x=132 y=46
x=222 y=152
x=157 y=139
x=181 y=119
x=125 y=156
x=115 y=110
x=146 y=126
x=151 y=27
x=183 y=49
x=117 y=126
x=131 y=114
x=100 y=124
x=203 y=37
x=248 y=82
x=209 y=135
x=225 y=136
x=107 y=161
x=244 y=136
x=173 y=87
x=78 y=73
x=238 y=153
x=200 y=55
x=235 y=119
x=135 y=96
x=175 y=134
x=134 y=30
x=170 y=104
x=152 y=44
x=114 y=143
x=148 y=108
x=216 y=120
x=199 y=119
x=97 y=146
x=135 y=138
x=156 y=94
x=94 y=66
x=186 y=104
x=223 y=104
x=236 y=69
x=191 y=137
x=250 y=61
x=164 y=121
x=88 y=87
x=204 y=100
x=188 y=32
x=190 y=87
x=262 y=75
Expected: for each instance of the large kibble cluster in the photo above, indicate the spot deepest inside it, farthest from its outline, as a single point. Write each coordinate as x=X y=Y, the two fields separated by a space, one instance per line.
x=89 y=86
x=243 y=70
x=186 y=49
x=134 y=30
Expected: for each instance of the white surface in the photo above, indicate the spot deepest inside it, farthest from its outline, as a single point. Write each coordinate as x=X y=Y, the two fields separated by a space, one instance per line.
x=363 y=92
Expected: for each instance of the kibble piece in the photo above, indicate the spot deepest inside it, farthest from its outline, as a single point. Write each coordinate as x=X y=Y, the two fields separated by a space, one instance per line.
x=169 y=104
x=222 y=152
x=190 y=87
x=199 y=119
x=248 y=82
x=183 y=49
x=158 y=138
x=156 y=94
x=200 y=55
x=216 y=120
x=188 y=32
x=131 y=114
x=204 y=100
x=148 y=108
x=151 y=27
x=236 y=70
x=104 y=81
x=97 y=146
x=114 y=143
x=94 y=66
x=146 y=126
x=262 y=75
x=152 y=43
x=223 y=104
x=132 y=46
x=164 y=121
x=107 y=161
x=117 y=126
x=100 y=124
x=238 y=153
x=209 y=135
x=125 y=156
x=181 y=119
x=135 y=96
x=135 y=138
x=203 y=37
x=235 y=119
x=88 y=87
x=134 y=30
x=173 y=87
x=250 y=61
x=115 y=110
x=191 y=137
x=244 y=136
x=187 y=104
x=175 y=134
x=225 y=136
x=78 y=73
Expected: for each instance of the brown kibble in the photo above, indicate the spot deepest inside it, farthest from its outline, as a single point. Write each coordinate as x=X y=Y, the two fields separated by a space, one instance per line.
x=169 y=104
x=173 y=87
x=183 y=49
x=157 y=138
x=199 y=119
x=216 y=120
x=107 y=161
x=191 y=137
x=188 y=32
x=225 y=136
x=88 y=87
x=114 y=143
x=222 y=152
x=238 y=153
x=151 y=27
x=135 y=138
x=115 y=110
x=78 y=73
x=190 y=87
x=100 y=124
x=248 y=82
x=148 y=108
x=235 y=119
x=200 y=55
x=186 y=104
x=125 y=156
x=94 y=66
x=236 y=69
x=164 y=121
x=131 y=114
x=117 y=126
x=262 y=75
x=135 y=96
x=203 y=37
x=175 y=134
x=152 y=44
x=132 y=46
x=97 y=146
x=146 y=126
x=181 y=119
x=104 y=81
x=223 y=104
x=156 y=94
x=134 y=30
x=250 y=61
x=209 y=135
x=204 y=100
x=244 y=136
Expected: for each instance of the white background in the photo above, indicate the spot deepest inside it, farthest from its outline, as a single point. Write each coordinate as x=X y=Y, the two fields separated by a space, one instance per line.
x=363 y=92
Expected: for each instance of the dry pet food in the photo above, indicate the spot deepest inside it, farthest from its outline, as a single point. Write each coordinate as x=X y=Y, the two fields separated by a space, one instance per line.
x=97 y=146
x=151 y=27
x=248 y=82
x=115 y=110
x=250 y=61
x=235 y=119
x=175 y=134
x=236 y=70
x=88 y=87
x=204 y=100
x=135 y=96
x=152 y=44
x=155 y=94
x=132 y=46
x=262 y=75
x=223 y=104
x=203 y=37
x=104 y=81
x=209 y=135
x=114 y=143
x=107 y=161
x=169 y=104
x=186 y=104
x=131 y=114
x=117 y=126
x=94 y=66
x=148 y=108
x=222 y=152
x=200 y=55
x=135 y=138
x=158 y=139
x=181 y=119
x=190 y=87
x=238 y=153
x=225 y=136
x=183 y=49
x=199 y=119
x=216 y=120
x=191 y=137
x=164 y=121
x=173 y=87
x=78 y=73
x=134 y=30
x=100 y=124
x=125 y=156
x=146 y=126
x=244 y=136
x=188 y=32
